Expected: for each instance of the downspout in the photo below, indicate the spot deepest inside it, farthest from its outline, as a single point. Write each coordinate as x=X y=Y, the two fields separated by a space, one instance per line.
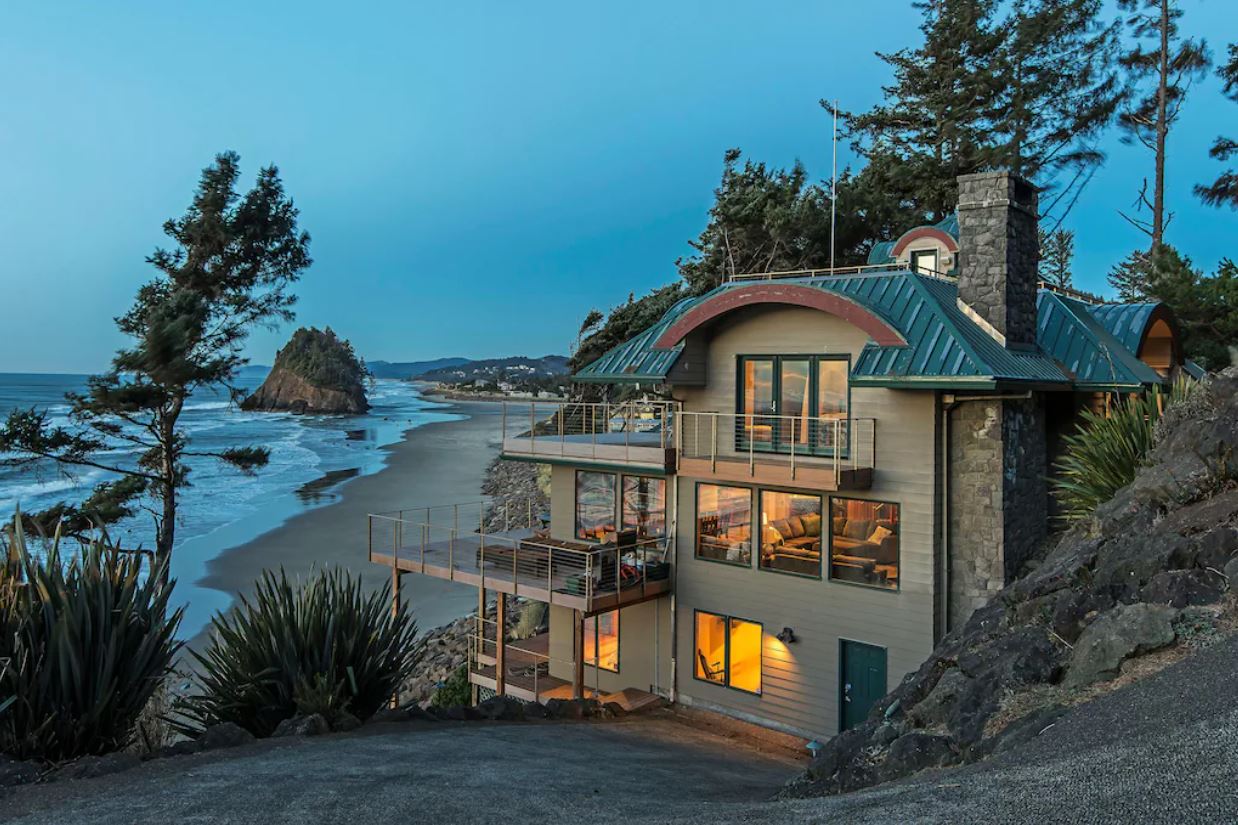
x=949 y=402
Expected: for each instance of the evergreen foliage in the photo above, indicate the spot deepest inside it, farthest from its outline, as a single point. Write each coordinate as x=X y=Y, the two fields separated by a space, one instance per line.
x=321 y=646
x=455 y=690
x=231 y=264
x=1224 y=190
x=323 y=359
x=1057 y=250
x=1160 y=74
x=84 y=643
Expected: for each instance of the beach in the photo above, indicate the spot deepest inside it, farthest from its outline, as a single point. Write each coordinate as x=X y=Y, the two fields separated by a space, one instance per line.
x=437 y=463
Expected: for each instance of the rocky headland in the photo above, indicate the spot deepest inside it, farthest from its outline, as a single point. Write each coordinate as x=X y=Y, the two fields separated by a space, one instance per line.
x=315 y=372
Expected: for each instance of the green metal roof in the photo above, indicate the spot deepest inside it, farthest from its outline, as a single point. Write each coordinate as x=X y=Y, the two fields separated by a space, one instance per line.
x=1125 y=322
x=881 y=253
x=1074 y=333
x=944 y=347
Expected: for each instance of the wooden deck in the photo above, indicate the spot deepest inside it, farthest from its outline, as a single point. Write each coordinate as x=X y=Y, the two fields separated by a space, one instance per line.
x=497 y=562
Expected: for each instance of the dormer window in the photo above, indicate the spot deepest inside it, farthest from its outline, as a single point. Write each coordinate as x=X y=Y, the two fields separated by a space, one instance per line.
x=924 y=262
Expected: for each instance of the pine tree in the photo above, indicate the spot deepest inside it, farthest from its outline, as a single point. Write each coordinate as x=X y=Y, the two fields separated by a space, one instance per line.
x=1204 y=306
x=232 y=262
x=1224 y=190
x=1160 y=76
x=1057 y=92
x=1057 y=249
x=1129 y=277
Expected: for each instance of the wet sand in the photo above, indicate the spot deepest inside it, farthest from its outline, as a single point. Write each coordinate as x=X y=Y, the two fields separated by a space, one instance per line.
x=439 y=463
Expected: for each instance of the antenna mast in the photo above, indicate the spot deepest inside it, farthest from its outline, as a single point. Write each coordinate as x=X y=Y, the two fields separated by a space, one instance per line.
x=834 y=184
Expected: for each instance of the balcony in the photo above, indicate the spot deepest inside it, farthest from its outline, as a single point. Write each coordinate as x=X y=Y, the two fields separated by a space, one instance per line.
x=502 y=546
x=635 y=433
x=819 y=453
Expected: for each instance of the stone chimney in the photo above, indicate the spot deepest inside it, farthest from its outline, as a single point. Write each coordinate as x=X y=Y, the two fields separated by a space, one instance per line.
x=998 y=253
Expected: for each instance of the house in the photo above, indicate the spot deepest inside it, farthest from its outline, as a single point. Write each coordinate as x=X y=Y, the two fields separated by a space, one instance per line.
x=840 y=466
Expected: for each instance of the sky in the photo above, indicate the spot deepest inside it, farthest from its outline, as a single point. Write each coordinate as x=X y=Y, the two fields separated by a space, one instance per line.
x=475 y=176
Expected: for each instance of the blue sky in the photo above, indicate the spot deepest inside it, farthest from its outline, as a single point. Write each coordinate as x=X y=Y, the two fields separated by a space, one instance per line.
x=476 y=176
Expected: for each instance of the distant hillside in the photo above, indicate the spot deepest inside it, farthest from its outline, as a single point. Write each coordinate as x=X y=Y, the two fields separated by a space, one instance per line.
x=515 y=370
x=409 y=369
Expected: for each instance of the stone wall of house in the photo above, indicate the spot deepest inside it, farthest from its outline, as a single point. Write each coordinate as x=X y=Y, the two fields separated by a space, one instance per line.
x=998 y=497
x=998 y=253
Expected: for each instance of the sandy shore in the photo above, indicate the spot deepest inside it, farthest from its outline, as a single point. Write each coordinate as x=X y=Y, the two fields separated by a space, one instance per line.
x=437 y=463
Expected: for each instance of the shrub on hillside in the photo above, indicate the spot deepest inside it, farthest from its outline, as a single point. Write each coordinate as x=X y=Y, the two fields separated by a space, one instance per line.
x=1104 y=454
x=322 y=646
x=84 y=643
x=455 y=690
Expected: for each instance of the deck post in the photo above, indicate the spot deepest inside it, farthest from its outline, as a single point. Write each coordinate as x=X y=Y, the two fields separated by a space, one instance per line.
x=500 y=653
x=578 y=654
x=479 y=639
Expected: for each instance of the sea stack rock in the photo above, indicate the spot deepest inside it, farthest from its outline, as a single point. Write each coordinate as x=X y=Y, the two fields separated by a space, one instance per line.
x=315 y=372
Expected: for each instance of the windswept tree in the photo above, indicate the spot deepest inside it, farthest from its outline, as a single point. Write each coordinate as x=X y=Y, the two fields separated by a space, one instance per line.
x=1224 y=190
x=1057 y=250
x=229 y=267
x=1161 y=66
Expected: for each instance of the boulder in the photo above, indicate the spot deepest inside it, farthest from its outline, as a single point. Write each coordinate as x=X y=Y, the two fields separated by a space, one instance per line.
x=936 y=709
x=223 y=735
x=503 y=708
x=1180 y=588
x=536 y=710
x=1125 y=631
x=572 y=708
x=13 y=772
x=181 y=747
x=388 y=715
x=917 y=751
x=312 y=725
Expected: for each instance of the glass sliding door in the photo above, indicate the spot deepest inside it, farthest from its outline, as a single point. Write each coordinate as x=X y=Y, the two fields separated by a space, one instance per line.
x=756 y=424
x=832 y=403
x=794 y=404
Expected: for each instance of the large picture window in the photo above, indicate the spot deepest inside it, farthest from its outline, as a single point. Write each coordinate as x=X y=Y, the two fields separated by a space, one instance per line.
x=643 y=506
x=602 y=641
x=791 y=533
x=728 y=651
x=793 y=403
x=595 y=505
x=724 y=524
x=864 y=542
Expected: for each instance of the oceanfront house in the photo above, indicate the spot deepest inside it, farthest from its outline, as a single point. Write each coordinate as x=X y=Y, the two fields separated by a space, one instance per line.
x=828 y=471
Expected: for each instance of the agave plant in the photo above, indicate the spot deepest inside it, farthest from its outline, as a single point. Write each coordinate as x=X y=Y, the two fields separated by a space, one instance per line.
x=1106 y=452
x=84 y=642
x=323 y=645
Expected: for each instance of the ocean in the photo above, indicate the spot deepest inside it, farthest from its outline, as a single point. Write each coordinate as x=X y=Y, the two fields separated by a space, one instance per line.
x=312 y=457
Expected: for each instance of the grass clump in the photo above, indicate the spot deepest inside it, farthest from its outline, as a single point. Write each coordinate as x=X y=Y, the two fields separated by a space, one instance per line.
x=84 y=644
x=322 y=646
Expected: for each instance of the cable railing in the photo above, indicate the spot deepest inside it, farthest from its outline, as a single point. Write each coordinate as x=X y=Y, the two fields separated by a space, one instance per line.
x=837 y=442
x=863 y=269
x=506 y=548
x=628 y=431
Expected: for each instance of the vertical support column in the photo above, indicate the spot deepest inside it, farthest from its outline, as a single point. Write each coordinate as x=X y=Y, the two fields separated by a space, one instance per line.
x=578 y=654
x=500 y=654
x=396 y=574
x=480 y=638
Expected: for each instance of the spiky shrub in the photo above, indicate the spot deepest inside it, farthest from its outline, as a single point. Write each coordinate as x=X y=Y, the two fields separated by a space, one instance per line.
x=84 y=643
x=323 y=645
x=1106 y=451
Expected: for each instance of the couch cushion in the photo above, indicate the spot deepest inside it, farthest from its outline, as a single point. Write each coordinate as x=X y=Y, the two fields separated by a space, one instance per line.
x=781 y=526
x=858 y=529
x=812 y=524
x=797 y=527
x=770 y=535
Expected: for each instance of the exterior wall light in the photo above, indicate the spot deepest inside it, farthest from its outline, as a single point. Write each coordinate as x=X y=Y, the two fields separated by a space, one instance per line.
x=787 y=636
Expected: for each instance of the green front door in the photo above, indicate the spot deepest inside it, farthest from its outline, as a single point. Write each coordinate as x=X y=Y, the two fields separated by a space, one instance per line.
x=862 y=681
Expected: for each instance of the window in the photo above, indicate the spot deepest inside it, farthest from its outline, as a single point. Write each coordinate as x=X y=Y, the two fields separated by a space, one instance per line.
x=643 y=506
x=864 y=537
x=602 y=641
x=791 y=533
x=924 y=261
x=724 y=524
x=793 y=403
x=728 y=651
x=595 y=505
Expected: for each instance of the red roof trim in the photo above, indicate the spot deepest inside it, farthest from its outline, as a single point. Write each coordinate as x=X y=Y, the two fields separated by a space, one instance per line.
x=924 y=232
x=791 y=294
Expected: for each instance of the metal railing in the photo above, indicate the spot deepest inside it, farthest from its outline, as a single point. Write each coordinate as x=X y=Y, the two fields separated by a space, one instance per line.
x=619 y=431
x=842 y=443
x=864 y=269
x=500 y=546
x=521 y=663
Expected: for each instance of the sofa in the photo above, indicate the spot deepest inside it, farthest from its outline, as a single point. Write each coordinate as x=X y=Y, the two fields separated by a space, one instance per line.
x=793 y=544
x=865 y=550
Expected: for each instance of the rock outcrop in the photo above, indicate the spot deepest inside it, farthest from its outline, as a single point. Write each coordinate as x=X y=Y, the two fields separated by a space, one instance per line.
x=1157 y=566
x=315 y=372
